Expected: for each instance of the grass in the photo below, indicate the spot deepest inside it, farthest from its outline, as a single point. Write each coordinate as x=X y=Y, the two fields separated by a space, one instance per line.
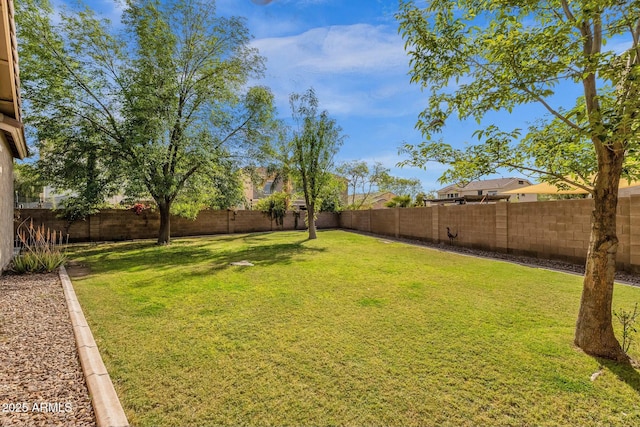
x=343 y=330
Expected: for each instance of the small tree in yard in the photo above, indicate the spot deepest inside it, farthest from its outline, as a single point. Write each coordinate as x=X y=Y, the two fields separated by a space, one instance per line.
x=315 y=143
x=478 y=56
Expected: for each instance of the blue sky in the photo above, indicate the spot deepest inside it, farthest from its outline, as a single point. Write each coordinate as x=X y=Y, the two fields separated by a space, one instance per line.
x=350 y=52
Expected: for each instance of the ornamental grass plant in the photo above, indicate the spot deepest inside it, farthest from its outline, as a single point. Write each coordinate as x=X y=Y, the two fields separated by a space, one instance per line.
x=40 y=250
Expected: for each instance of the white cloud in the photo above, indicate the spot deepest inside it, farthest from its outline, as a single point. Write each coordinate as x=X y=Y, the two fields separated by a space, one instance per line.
x=358 y=48
x=104 y=9
x=358 y=69
x=618 y=46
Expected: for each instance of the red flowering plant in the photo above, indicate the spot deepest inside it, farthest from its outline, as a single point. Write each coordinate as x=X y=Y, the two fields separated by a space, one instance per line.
x=138 y=208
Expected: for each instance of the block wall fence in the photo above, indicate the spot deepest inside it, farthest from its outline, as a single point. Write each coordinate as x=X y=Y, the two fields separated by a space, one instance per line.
x=557 y=229
x=118 y=224
x=552 y=230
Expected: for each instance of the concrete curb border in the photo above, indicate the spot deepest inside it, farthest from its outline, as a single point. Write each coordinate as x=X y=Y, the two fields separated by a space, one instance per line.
x=106 y=405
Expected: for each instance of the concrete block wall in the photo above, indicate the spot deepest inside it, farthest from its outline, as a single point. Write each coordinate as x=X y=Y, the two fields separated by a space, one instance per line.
x=551 y=230
x=115 y=225
x=623 y=230
x=416 y=224
x=633 y=242
x=356 y=220
x=383 y=221
x=325 y=220
x=475 y=225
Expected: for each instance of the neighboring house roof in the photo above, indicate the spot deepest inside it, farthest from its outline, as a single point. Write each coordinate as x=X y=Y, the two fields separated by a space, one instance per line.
x=470 y=199
x=486 y=184
x=380 y=196
x=10 y=104
x=449 y=188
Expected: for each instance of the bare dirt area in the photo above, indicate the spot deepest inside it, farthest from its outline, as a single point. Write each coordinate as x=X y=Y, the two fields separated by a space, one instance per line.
x=77 y=269
x=41 y=380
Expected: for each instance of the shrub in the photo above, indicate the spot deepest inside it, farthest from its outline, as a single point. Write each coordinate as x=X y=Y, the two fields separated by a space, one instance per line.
x=138 y=208
x=40 y=250
x=77 y=209
x=275 y=206
x=399 y=202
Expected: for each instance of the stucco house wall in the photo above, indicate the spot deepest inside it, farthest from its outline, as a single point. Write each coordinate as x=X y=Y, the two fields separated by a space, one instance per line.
x=6 y=203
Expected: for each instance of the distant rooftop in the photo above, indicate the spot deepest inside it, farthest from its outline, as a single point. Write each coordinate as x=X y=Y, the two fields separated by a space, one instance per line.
x=485 y=184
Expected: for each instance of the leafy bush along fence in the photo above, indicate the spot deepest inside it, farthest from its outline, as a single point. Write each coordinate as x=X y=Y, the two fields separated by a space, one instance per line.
x=115 y=224
x=551 y=230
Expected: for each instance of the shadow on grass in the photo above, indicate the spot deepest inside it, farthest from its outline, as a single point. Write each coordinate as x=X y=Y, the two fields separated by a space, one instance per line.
x=137 y=256
x=262 y=255
x=624 y=371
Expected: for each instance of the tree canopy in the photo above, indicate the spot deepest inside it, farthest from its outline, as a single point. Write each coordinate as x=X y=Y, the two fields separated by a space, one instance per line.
x=362 y=179
x=474 y=57
x=164 y=101
x=400 y=186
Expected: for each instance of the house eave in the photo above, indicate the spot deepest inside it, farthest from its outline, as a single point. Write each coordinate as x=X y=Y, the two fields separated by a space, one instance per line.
x=13 y=131
x=10 y=103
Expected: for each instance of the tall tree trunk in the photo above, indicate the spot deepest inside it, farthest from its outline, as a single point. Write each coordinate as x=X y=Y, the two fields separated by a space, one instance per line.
x=311 y=213
x=164 y=234
x=594 y=329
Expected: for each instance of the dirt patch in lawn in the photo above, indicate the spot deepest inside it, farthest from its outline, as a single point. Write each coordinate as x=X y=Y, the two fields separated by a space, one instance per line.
x=77 y=269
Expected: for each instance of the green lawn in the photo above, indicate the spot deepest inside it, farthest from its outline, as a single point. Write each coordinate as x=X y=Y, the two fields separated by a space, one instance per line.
x=343 y=330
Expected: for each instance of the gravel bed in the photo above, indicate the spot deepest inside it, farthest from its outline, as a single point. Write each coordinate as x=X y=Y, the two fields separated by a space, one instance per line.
x=621 y=276
x=41 y=380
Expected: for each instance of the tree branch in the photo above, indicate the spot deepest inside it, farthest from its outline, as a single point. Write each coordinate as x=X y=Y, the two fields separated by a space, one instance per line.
x=184 y=179
x=234 y=132
x=567 y=11
x=528 y=91
x=83 y=86
x=549 y=108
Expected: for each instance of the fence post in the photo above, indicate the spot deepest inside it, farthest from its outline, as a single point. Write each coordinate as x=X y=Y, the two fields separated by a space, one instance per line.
x=435 y=224
x=502 y=226
x=634 y=232
x=94 y=227
x=397 y=222
x=231 y=221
